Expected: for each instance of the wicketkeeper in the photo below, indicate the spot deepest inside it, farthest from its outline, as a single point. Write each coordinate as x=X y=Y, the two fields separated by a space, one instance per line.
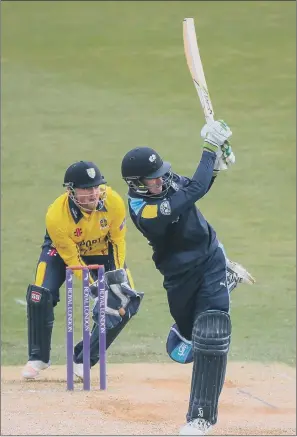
x=85 y=225
x=188 y=254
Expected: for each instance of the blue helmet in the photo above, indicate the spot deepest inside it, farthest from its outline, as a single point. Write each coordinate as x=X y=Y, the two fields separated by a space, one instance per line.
x=83 y=174
x=145 y=163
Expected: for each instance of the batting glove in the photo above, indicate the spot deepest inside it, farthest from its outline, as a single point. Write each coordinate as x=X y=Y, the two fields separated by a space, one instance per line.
x=215 y=134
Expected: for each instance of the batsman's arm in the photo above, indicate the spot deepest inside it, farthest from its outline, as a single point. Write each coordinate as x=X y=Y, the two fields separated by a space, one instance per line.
x=117 y=234
x=211 y=182
x=164 y=212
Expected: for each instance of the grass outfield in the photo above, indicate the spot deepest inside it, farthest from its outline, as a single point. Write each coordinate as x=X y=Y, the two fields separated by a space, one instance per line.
x=89 y=80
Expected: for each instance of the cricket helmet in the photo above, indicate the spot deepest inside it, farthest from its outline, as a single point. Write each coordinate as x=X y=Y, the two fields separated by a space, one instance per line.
x=83 y=174
x=145 y=163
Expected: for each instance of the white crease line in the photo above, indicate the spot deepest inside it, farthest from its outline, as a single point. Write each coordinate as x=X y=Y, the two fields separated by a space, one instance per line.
x=21 y=302
x=258 y=399
x=284 y=375
x=55 y=413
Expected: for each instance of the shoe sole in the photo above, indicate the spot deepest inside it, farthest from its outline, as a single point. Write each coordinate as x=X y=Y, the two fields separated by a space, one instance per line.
x=30 y=373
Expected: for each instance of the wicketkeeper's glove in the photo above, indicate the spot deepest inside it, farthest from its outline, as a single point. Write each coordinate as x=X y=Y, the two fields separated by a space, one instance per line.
x=120 y=297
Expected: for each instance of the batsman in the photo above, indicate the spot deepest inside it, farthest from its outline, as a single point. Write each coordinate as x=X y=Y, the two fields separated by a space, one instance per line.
x=85 y=225
x=197 y=276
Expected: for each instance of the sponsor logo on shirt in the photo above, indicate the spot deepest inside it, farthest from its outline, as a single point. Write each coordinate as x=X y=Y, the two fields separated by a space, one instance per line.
x=174 y=186
x=78 y=232
x=74 y=212
x=35 y=296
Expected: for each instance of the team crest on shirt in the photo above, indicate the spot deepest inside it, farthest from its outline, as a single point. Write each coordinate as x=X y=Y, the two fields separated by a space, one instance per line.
x=103 y=223
x=91 y=172
x=165 y=208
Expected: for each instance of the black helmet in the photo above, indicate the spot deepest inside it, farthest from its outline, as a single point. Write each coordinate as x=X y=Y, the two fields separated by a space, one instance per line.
x=83 y=174
x=145 y=163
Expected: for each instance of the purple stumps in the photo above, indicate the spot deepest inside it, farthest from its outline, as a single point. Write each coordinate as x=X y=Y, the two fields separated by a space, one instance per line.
x=102 y=327
x=69 y=328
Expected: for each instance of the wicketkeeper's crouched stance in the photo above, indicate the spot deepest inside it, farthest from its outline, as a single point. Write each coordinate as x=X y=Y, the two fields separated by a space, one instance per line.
x=86 y=225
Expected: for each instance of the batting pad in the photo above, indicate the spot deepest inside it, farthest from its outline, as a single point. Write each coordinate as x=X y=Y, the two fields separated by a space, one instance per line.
x=211 y=340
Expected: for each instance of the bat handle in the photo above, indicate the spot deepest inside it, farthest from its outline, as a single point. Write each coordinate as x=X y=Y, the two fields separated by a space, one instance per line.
x=230 y=156
x=209 y=119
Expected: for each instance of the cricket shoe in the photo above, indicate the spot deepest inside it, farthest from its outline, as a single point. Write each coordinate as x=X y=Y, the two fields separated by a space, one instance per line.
x=237 y=274
x=33 y=368
x=196 y=427
x=78 y=370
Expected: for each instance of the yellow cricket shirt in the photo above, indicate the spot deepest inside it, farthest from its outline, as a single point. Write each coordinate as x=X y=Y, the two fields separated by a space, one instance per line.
x=74 y=233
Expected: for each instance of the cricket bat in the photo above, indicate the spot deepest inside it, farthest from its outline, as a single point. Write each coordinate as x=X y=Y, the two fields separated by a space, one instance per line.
x=196 y=69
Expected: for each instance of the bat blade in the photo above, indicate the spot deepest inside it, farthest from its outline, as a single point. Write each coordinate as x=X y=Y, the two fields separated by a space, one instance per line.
x=196 y=68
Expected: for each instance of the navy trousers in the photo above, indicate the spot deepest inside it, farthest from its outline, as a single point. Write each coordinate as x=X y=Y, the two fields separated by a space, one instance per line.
x=200 y=288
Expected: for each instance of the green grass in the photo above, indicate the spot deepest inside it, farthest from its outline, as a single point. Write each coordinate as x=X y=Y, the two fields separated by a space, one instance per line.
x=89 y=80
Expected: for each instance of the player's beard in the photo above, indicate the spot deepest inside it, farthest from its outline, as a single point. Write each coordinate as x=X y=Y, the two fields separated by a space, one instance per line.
x=89 y=206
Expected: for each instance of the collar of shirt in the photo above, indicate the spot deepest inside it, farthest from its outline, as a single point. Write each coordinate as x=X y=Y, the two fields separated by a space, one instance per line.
x=76 y=212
